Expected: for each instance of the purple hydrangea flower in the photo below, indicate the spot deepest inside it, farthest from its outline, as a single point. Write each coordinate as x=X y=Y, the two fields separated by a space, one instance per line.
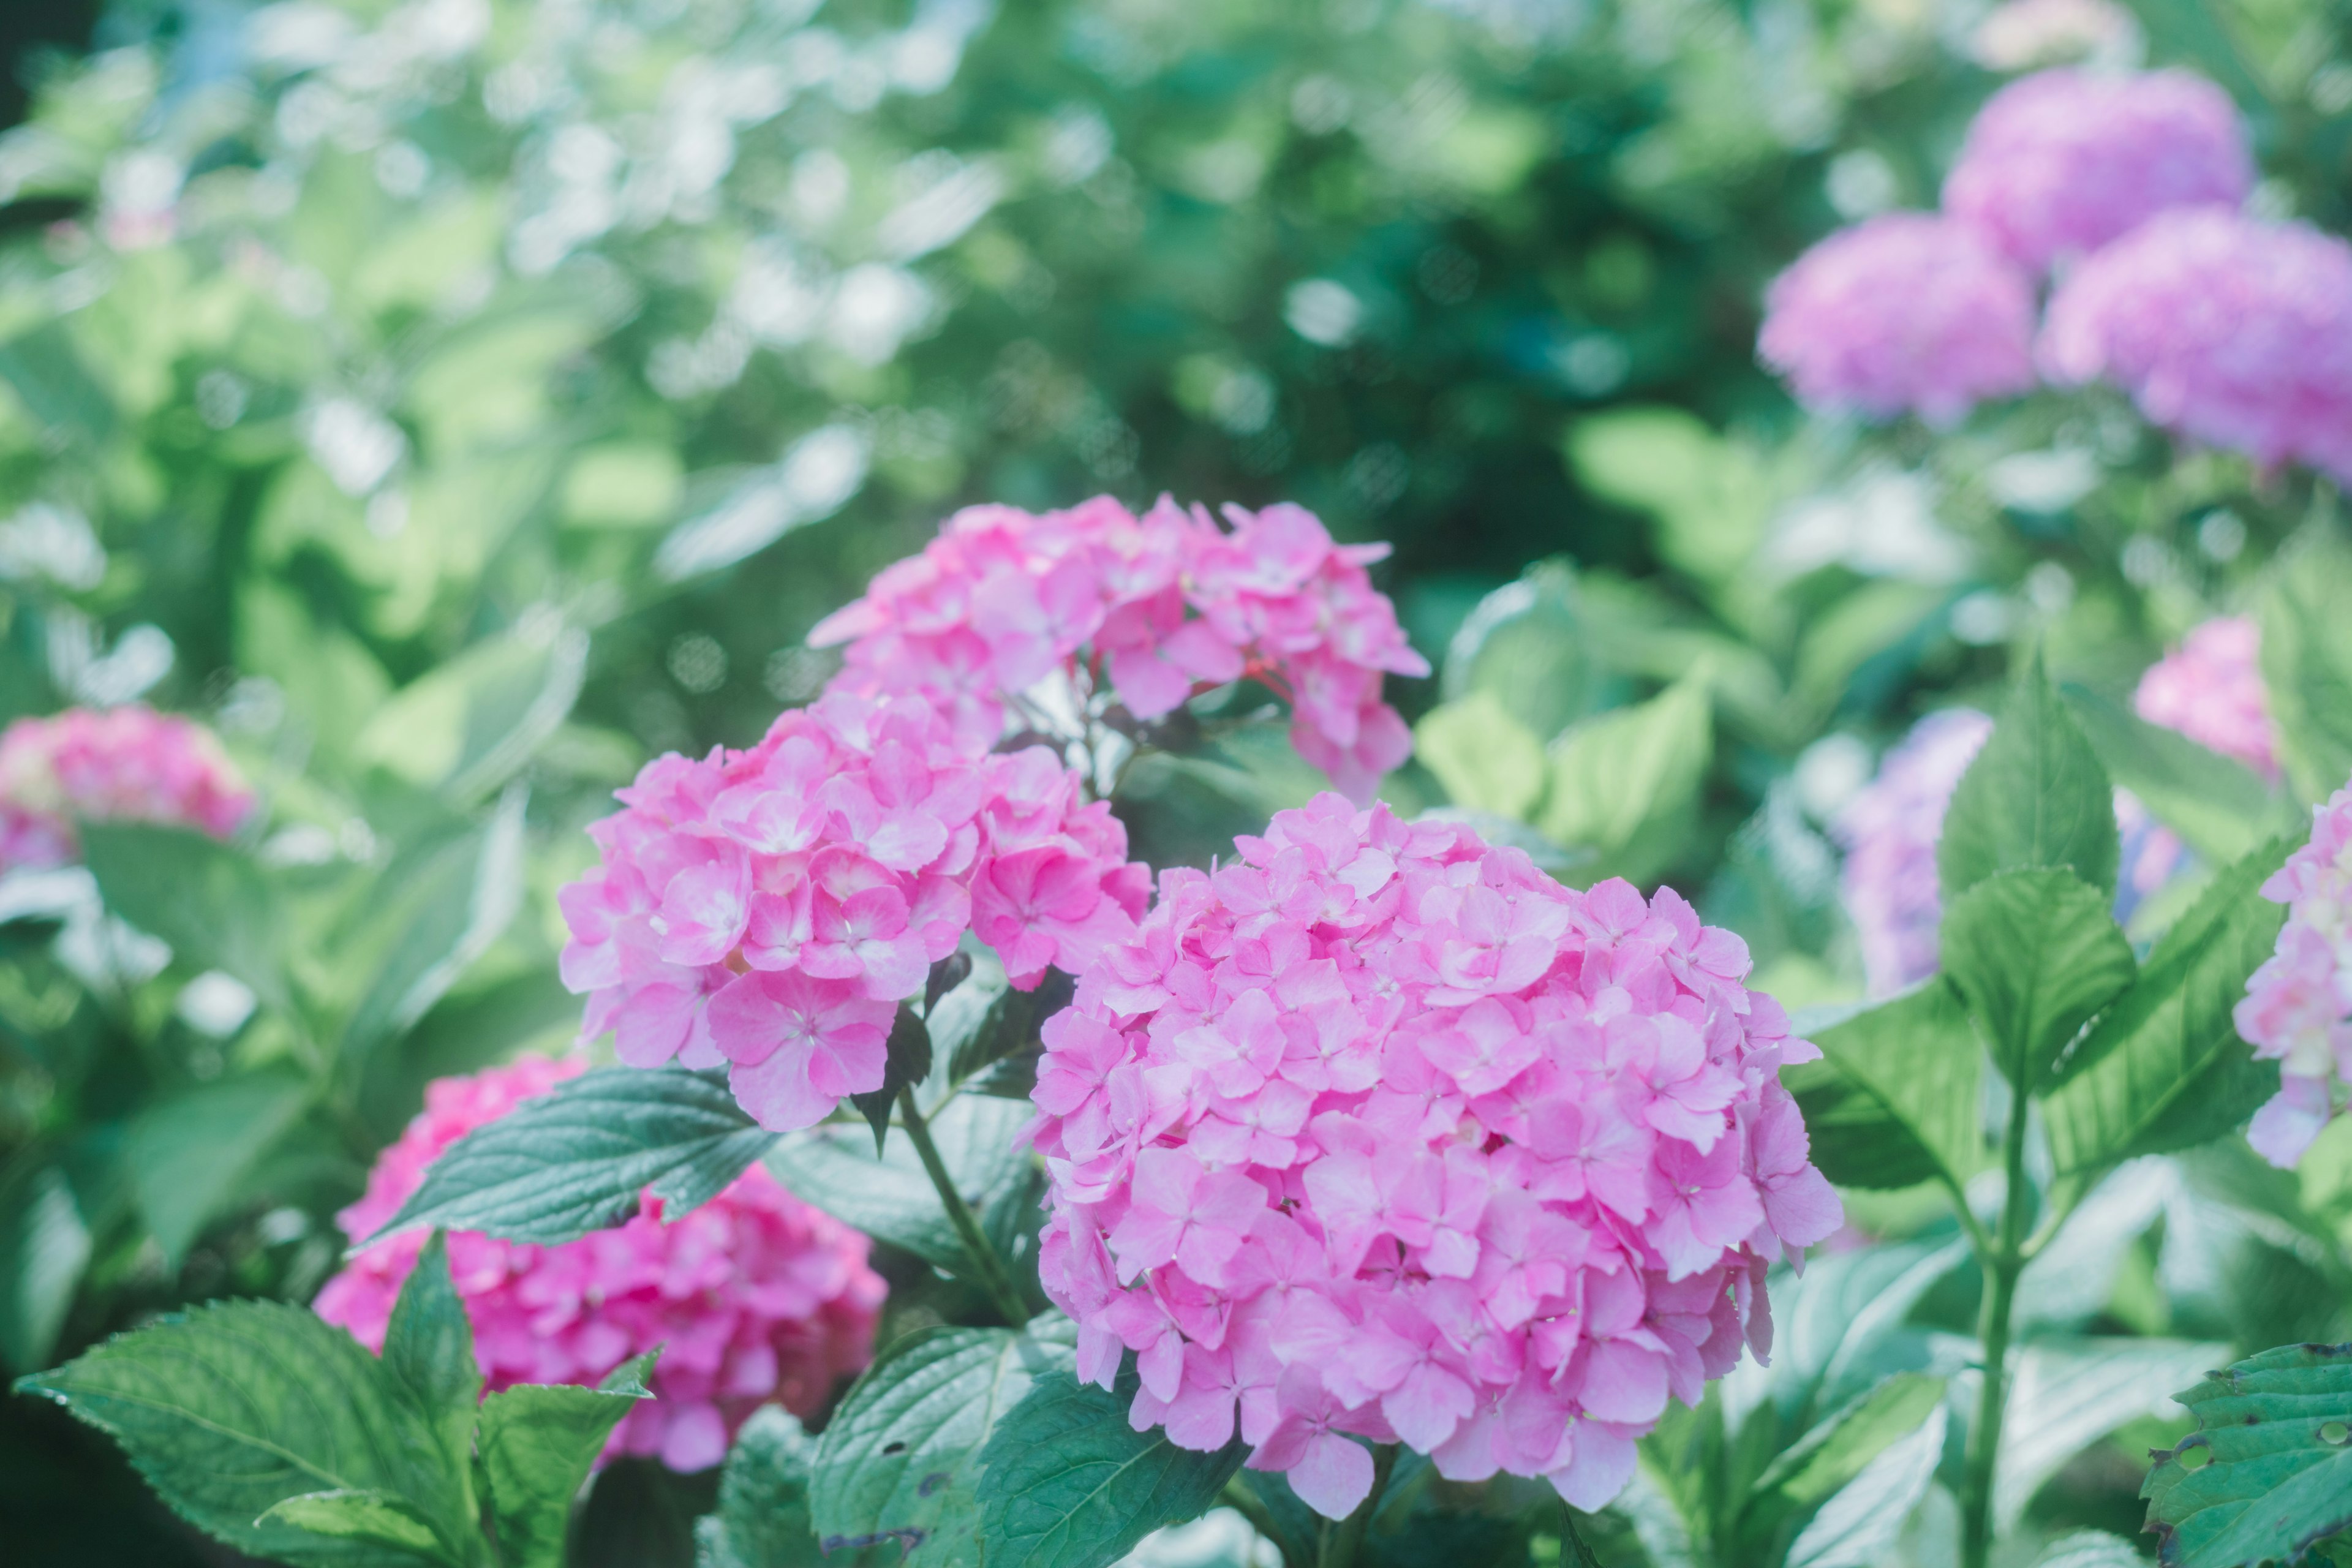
x=1889 y=831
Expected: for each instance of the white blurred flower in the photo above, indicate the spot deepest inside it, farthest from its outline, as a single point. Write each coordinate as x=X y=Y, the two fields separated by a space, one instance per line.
x=1323 y=313
x=53 y=541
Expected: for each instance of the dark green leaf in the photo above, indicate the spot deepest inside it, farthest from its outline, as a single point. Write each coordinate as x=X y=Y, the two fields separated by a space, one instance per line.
x=187 y=1155
x=1899 y=1092
x=899 y=1459
x=2036 y=796
x=2220 y=806
x=238 y=1406
x=2269 y=1480
x=834 y=1167
x=368 y=1518
x=947 y=975
x=1830 y=1456
x=1066 y=1482
x=428 y=1352
x=984 y=1022
x=573 y=1160
x=762 y=1520
x=44 y=1246
x=538 y=1443
x=908 y=1062
x=215 y=907
x=2165 y=1068
x=2034 y=954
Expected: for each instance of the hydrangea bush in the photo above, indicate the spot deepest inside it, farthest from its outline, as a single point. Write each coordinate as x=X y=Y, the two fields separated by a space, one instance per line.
x=119 y=764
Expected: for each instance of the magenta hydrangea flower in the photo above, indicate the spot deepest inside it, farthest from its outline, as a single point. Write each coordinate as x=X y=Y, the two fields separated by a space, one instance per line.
x=2227 y=330
x=2297 y=1009
x=1889 y=831
x=1016 y=617
x=2210 y=690
x=1378 y=1131
x=111 y=764
x=755 y=1297
x=770 y=908
x=1907 y=312
x=2058 y=163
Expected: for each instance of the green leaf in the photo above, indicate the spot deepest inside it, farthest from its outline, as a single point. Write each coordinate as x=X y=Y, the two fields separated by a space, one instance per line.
x=1835 y=1317
x=215 y=907
x=2307 y=656
x=538 y=1443
x=2090 y=1549
x=44 y=1248
x=573 y=1160
x=2036 y=796
x=2164 y=1068
x=2220 y=806
x=893 y=1200
x=47 y=371
x=371 y=1518
x=2269 y=1480
x=1626 y=783
x=428 y=1353
x=1486 y=759
x=908 y=1062
x=899 y=1459
x=2066 y=1393
x=469 y=724
x=1526 y=646
x=188 y=1155
x=989 y=1032
x=1709 y=496
x=2034 y=954
x=1897 y=1097
x=1827 y=1458
x=238 y=1406
x=762 y=1519
x=1859 y=1525
x=1066 y=1482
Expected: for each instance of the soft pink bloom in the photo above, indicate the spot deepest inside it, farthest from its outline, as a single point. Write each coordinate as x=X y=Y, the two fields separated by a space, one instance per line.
x=2058 y=163
x=1378 y=1132
x=111 y=764
x=2230 y=331
x=1889 y=832
x=755 y=1297
x=1097 y=604
x=2210 y=690
x=1907 y=313
x=2297 y=1010
x=770 y=908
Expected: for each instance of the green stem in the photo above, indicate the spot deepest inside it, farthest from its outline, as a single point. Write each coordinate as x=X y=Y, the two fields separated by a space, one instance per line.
x=988 y=1268
x=2002 y=1264
x=1242 y=1499
x=1341 y=1544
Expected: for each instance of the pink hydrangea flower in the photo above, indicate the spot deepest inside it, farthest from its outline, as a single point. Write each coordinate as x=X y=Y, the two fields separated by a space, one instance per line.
x=2058 y=163
x=111 y=764
x=755 y=1297
x=1889 y=831
x=2227 y=330
x=1907 y=312
x=2210 y=690
x=1378 y=1131
x=2297 y=1009
x=770 y=908
x=1014 y=616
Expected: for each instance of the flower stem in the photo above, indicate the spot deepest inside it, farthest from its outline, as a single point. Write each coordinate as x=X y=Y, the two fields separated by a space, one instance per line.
x=988 y=1268
x=2002 y=1263
x=1343 y=1541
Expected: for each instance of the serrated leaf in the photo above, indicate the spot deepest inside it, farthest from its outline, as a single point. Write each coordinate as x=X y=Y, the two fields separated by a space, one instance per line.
x=234 y=1408
x=2034 y=797
x=907 y=1060
x=1898 y=1092
x=2218 y=805
x=217 y=907
x=2163 y=1069
x=1067 y=1482
x=187 y=1154
x=538 y=1443
x=898 y=1460
x=573 y=1160
x=2034 y=954
x=428 y=1352
x=2271 y=1482
x=2066 y=1393
x=1830 y=1457
x=762 y=1519
x=370 y=1518
x=834 y=1167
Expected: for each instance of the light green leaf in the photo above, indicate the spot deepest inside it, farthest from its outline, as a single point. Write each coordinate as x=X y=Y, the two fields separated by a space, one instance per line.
x=572 y=1161
x=1527 y=645
x=215 y=907
x=2306 y=656
x=44 y=1248
x=2090 y=1549
x=469 y=724
x=2165 y=1068
x=234 y=1408
x=1835 y=1315
x=834 y=1167
x=2034 y=954
x=1858 y=1526
x=188 y=1155
x=2066 y=1394
x=1626 y=783
x=1486 y=759
x=2273 y=1465
x=370 y=1518
x=1710 y=497
x=538 y=1443
x=1067 y=1482
x=899 y=1459
x=1898 y=1095
x=1830 y=1457
x=2036 y=796
x=2221 y=807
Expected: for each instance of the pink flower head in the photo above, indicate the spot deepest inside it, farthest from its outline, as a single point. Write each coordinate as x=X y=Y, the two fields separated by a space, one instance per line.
x=2224 y=329
x=1889 y=832
x=111 y=764
x=1006 y=605
x=770 y=909
x=1908 y=312
x=2058 y=163
x=755 y=1297
x=1377 y=1132
x=2210 y=690
x=2297 y=1010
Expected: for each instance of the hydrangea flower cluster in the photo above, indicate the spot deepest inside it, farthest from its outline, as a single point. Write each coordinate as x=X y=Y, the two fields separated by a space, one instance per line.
x=2210 y=690
x=2297 y=1009
x=770 y=908
x=1006 y=602
x=1382 y=1131
x=109 y=764
x=1889 y=831
x=2058 y=163
x=755 y=1297
x=1907 y=312
x=2225 y=329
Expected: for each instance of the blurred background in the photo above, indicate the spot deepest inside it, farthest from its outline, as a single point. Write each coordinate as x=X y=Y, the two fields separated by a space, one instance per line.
x=456 y=403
